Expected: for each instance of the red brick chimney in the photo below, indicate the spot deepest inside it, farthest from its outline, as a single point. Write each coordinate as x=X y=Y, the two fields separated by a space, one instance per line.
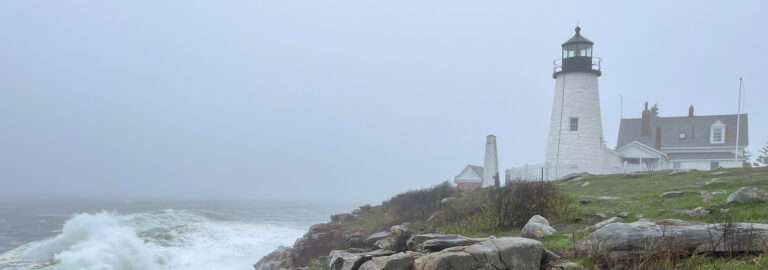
x=690 y=111
x=658 y=137
x=646 y=130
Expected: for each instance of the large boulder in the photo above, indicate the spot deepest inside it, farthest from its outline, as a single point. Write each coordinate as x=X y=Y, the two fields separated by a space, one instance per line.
x=495 y=253
x=415 y=242
x=271 y=261
x=321 y=239
x=376 y=237
x=440 y=244
x=747 y=195
x=399 y=261
x=627 y=240
x=344 y=260
x=537 y=228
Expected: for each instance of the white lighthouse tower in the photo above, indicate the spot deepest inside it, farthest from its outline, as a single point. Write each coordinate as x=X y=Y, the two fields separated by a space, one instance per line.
x=575 y=129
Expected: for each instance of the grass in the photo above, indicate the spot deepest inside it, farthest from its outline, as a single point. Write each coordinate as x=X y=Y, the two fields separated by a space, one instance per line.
x=559 y=241
x=642 y=195
x=375 y=220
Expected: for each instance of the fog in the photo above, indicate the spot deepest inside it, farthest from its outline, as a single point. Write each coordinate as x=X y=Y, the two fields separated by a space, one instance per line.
x=334 y=100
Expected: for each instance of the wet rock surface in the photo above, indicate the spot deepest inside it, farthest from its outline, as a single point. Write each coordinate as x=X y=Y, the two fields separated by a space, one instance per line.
x=537 y=228
x=623 y=240
x=497 y=253
x=747 y=195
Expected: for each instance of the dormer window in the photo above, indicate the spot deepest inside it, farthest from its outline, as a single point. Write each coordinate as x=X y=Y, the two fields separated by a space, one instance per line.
x=717 y=132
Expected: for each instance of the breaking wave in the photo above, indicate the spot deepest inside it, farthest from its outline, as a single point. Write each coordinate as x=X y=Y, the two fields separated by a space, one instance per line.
x=169 y=239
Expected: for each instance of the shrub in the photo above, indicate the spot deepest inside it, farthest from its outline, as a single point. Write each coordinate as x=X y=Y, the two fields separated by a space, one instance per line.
x=419 y=204
x=504 y=208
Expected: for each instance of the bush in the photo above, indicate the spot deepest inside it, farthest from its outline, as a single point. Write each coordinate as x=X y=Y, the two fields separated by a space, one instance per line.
x=419 y=204
x=504 y=208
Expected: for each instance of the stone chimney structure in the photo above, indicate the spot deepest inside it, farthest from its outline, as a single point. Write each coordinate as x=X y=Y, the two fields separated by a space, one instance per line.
x=491 y=164
x=690 y=111
x=658 y=137
x=646 y=129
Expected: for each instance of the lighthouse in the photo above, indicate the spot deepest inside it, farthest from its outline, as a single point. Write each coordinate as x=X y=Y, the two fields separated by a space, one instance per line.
x=575 y=142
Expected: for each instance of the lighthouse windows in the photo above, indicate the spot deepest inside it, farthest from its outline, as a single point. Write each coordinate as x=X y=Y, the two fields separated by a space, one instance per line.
x=577 y=50
x=574 y=124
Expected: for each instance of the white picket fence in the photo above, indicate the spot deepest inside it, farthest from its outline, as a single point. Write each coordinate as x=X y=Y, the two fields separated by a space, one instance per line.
x=550 y=171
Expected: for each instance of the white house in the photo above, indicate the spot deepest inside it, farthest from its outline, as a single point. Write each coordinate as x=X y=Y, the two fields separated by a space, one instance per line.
x=702 y=142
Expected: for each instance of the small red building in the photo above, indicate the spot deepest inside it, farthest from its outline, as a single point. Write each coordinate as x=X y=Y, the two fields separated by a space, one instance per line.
x=470 y=178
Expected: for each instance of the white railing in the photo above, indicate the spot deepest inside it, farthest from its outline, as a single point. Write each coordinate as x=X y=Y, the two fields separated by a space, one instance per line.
x=550 y=171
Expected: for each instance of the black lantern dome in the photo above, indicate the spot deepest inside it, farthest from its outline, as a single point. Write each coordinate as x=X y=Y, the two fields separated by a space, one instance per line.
x=577 y=56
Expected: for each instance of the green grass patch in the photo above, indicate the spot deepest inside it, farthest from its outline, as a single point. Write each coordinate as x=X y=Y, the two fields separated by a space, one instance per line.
x=559 y=241
x=642 y=195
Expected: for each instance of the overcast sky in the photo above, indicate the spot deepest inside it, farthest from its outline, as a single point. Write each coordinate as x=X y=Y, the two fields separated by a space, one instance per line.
x=335 y=100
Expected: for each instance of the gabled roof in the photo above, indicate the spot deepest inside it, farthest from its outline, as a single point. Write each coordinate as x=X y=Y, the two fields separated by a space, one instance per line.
x=696 y=131
x=643 y=147
x=478 y=170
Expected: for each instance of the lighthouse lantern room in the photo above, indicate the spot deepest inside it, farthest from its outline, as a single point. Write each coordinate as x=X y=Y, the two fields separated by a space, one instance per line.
x=577 y=56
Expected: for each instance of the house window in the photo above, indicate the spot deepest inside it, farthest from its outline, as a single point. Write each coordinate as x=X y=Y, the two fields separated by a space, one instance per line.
x=676 y=165
x=714 y=165
x=574 y=125
x=717 y=135
x=717 y=132
x=682 y=135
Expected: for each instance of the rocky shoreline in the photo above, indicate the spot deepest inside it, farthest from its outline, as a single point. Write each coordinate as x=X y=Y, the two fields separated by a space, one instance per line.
x=399 y=249
x=334 y=246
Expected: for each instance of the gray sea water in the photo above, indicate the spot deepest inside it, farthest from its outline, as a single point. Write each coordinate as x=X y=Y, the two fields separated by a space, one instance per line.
x=103 y=234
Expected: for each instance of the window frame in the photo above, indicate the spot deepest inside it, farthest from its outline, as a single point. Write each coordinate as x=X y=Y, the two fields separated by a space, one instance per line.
x=717 y=135
x=571 y=126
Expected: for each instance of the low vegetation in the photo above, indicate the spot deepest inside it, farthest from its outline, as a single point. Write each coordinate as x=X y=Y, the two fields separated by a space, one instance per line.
x=642 y=195
x=575 y=205
x=506 y=208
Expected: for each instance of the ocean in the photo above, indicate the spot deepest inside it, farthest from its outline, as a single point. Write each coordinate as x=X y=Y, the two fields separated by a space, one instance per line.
x=99 y=234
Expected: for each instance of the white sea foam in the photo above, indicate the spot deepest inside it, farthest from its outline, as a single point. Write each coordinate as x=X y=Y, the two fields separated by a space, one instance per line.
x=95 y=242
x=158 y=240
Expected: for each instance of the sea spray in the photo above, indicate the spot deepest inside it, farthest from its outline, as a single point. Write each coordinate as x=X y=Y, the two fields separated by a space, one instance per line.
x=96 y=242
x=158 y=239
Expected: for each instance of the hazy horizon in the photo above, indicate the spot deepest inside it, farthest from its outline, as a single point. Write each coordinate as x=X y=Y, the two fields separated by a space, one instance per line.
x=335 y=100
